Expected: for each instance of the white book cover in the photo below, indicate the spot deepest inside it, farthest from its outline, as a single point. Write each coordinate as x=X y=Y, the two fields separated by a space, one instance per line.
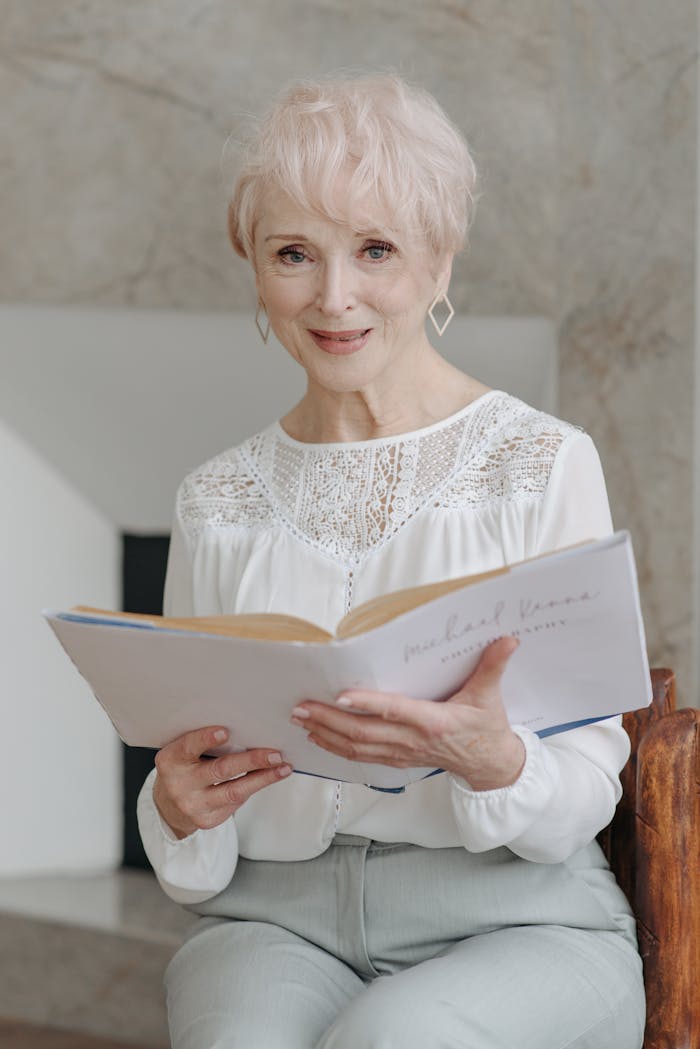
x=582 y=657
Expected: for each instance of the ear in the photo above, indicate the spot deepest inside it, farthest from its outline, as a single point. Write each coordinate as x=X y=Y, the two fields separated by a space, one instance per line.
x=256 y=277
x=446 y=274
x=253 y=263
x=443 y=273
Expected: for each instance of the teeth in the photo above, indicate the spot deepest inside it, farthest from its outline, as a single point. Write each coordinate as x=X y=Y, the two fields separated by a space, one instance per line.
x=344 y=338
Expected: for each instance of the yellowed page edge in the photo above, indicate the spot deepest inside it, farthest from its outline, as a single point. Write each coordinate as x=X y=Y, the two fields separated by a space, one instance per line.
x=263 y=626
x=382 y=609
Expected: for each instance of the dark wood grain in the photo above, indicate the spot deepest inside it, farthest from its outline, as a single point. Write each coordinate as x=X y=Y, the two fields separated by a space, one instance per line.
x=667 y=901
x=653 y=845
x=619 y=839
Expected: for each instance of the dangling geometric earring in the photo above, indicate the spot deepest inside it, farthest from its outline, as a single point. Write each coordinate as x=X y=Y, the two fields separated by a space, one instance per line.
x=441 y=297
x=264 y=332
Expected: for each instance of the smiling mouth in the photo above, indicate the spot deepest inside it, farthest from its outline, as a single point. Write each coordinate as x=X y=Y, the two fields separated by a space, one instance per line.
x=341 y=336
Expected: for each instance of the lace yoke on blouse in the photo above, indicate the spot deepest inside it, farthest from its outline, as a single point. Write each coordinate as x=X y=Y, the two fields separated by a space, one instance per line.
x=349 y=498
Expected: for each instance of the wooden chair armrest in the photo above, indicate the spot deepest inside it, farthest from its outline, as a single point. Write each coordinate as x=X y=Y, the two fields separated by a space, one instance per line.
x=618 y=839
x=666 y=896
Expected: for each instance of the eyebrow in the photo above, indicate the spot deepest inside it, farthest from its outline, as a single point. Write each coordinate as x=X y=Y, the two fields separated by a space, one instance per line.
x=301 y=236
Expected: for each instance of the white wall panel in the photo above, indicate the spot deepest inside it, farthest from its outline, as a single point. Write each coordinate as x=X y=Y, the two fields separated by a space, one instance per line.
x=60 y=763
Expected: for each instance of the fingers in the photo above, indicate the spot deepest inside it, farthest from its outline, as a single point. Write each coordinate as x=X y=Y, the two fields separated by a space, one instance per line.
x=398 y=755
x=231 y=795
x=193 y=792
x=230 y=766
x=495 y=656
x=367 y=738
x=187 y=805
x=483 y=686
x=359 y=728
x=189 y=748
x=384 y=707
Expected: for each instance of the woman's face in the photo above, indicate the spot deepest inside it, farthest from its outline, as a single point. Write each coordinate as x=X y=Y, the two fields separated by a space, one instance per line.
x=348 y=307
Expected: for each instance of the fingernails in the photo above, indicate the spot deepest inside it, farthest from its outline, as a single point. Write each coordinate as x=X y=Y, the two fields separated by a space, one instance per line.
x=343 y=701
x=284 y=770
x=300 y=712
x=220 y=735
x=274 y=759
x=299 y=722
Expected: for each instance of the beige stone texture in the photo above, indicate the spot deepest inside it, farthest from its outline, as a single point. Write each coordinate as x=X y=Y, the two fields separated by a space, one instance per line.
x=627 y=118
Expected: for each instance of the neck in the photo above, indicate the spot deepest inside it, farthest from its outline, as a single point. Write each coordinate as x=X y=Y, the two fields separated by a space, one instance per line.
x=327 y=416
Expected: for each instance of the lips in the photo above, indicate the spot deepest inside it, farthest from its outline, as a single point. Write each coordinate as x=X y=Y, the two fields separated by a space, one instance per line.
x=340 y=343
x=339 y=334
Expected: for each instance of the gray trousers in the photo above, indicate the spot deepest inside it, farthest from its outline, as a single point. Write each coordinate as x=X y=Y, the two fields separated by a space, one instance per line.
x=400 y=947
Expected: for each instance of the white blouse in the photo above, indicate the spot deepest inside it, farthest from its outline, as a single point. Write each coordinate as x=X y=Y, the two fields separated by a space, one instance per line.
x=312 y=530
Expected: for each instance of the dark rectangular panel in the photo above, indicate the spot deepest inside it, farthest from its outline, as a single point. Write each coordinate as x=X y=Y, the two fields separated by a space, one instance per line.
x=144 y=560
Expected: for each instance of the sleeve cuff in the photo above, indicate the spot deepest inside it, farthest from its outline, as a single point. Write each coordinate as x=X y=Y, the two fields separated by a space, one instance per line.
x=490 y=818
x=189 y=869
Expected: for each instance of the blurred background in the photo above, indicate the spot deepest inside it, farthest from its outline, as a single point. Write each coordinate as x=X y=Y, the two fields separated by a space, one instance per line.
x=128 y=355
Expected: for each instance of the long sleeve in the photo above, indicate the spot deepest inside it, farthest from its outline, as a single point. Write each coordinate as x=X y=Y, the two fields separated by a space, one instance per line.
x=569 y=785
x=194 y=868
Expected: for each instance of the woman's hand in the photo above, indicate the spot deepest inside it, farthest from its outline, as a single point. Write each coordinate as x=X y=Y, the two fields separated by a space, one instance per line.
x=193 y=792
x=467 y=735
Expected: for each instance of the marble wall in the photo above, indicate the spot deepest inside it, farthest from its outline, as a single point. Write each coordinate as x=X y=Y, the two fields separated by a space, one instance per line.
x=582 y=115
x=627 y=110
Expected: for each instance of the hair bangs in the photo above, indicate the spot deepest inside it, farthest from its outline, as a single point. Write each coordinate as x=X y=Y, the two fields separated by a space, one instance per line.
x=370 y=151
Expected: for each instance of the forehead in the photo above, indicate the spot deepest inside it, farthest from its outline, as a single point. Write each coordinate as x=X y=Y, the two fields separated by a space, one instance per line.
x=281 y=213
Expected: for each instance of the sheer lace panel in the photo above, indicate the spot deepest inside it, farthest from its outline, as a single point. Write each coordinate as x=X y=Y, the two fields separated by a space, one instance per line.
x=513 y=466
x=347 y=502
x=220 y=494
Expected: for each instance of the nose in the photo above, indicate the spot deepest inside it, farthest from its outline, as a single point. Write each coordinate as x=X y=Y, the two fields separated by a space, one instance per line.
x=337 y=290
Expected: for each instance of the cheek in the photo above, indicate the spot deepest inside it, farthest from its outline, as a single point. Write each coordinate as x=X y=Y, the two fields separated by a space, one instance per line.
x=283 y=296
x=402 y=299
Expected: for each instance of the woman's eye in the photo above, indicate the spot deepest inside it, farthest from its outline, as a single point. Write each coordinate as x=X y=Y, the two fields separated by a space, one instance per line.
x=379 y=251
x=292 y=255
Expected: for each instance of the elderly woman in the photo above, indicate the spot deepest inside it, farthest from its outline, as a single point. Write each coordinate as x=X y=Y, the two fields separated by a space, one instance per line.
x=475 y=909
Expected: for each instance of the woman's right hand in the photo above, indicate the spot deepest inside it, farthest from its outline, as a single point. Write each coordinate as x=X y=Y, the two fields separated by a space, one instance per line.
x=193 y=792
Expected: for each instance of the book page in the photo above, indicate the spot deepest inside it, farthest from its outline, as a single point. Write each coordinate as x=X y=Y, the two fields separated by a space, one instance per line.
x=381 y=609
x=265 y=626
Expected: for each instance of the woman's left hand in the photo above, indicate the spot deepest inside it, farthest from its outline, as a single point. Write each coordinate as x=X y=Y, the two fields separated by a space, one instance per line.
x=467 y=735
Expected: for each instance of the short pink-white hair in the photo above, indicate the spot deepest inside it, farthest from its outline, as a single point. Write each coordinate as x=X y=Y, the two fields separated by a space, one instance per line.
x=409 y=165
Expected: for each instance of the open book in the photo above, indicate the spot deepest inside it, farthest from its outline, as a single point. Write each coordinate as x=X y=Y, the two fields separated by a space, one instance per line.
x=582 y=657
